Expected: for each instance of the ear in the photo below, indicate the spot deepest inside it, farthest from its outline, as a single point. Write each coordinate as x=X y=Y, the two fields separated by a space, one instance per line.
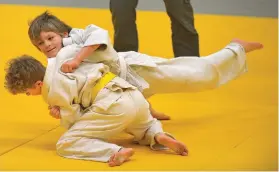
x=65 y=35
x=38 y=83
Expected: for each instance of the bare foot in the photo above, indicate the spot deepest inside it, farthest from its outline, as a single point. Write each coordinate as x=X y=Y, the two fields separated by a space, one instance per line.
x=248 y=46
x=120 y=157
x=159 y=115
x=171 y=143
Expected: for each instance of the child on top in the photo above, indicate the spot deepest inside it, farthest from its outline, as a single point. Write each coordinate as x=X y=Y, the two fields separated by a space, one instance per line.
x=151 y=75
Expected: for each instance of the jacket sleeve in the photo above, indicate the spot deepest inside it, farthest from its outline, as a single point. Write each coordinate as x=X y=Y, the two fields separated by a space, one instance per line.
x=91 y=35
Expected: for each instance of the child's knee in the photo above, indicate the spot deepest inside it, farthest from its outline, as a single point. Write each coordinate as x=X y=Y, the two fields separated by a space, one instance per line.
x=64 y=144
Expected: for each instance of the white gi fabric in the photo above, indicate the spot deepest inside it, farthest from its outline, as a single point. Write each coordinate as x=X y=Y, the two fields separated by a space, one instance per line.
x=119 y=107
x=155 y=75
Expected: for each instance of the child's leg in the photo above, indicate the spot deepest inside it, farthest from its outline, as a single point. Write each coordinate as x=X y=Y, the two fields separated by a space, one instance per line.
x=79 y=145
x=86 y=139
x=88 y=148
x=190 y=74
x=148 y=131
x=158 y=140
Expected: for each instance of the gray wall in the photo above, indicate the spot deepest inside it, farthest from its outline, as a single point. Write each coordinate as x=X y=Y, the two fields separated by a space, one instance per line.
x=258 y=8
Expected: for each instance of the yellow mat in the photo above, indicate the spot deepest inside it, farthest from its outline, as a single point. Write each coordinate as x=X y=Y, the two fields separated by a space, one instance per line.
x=230 y=128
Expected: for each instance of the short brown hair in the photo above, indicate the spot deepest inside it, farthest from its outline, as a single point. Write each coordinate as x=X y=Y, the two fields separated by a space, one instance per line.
x=22 y=73
x=48 y=23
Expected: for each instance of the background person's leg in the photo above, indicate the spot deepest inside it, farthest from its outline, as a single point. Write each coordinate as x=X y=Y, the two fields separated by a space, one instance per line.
x=185 y=39
x=124 y=23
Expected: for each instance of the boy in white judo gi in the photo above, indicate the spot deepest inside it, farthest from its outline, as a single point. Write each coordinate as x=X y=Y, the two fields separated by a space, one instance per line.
x=151 y=75
x=95 y=105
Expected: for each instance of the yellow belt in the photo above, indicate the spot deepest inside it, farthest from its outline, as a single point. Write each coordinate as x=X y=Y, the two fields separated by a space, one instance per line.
x=101 y=83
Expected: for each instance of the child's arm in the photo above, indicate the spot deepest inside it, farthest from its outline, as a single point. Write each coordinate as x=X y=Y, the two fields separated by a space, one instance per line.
x=66 y=111
x=69 y=115
x=63 y=95
x=71 y=65
x=92 y=38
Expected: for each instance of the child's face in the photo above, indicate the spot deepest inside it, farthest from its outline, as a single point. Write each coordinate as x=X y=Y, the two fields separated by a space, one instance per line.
x=49 y=43
x=35 y=90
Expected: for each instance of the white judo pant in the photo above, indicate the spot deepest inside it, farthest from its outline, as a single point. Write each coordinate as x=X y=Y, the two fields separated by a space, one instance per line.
x=188 y=74
x=87 y=138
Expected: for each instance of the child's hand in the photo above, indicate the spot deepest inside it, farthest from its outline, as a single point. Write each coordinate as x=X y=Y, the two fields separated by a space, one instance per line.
x=70 y=66
x=54 y=111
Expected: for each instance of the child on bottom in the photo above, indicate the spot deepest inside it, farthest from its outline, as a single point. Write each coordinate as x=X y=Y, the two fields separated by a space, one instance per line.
x=94 y=106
